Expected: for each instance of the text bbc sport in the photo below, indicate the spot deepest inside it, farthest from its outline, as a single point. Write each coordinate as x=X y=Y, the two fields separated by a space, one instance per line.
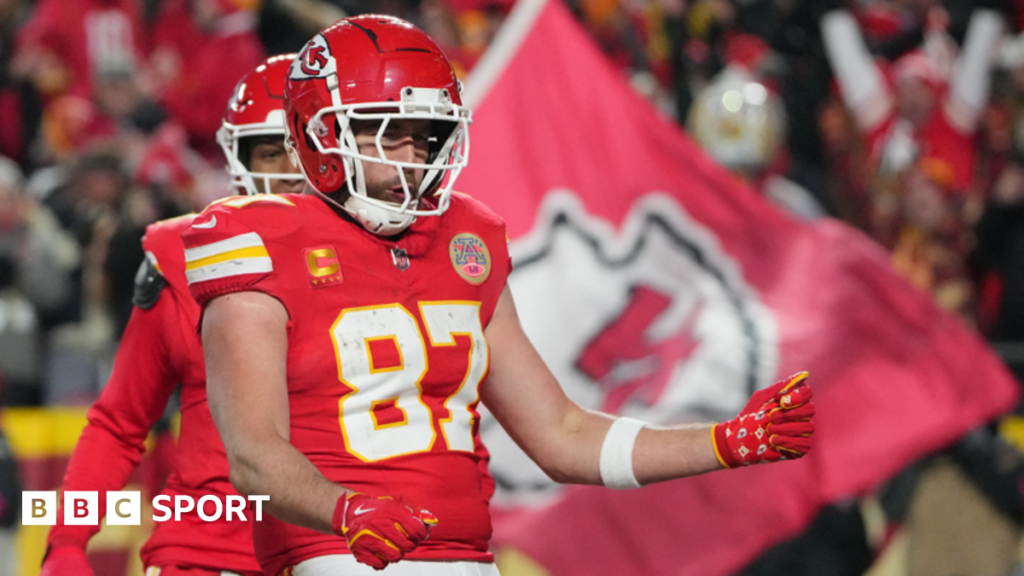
x=81 y=508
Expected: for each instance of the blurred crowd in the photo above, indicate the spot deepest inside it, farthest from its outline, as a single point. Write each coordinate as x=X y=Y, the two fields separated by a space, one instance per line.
x=109 y=112
x=905 y=118
x=902 y=118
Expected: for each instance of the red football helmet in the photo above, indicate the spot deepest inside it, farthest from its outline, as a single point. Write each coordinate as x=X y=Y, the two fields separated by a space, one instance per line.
x=256 y=108
x=377 y=68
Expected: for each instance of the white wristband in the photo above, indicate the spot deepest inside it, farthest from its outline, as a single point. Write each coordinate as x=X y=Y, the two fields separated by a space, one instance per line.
x=617 y=454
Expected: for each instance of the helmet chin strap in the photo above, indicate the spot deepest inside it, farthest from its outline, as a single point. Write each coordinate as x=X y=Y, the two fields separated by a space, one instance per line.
x=376 y=220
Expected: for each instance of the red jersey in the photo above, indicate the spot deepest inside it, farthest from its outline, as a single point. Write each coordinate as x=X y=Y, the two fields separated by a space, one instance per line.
x=385 y=353
x=161 y=349
x=86 y=35
x=936 y=138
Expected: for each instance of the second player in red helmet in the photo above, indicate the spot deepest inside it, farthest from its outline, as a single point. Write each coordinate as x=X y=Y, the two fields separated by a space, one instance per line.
x=250 y=134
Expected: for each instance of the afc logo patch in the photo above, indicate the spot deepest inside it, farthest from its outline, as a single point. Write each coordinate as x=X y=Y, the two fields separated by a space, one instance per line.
x=470 y=257
x=322 y=266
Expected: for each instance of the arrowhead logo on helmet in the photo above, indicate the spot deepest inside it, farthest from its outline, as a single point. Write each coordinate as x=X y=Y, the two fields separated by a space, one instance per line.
x=315 y=61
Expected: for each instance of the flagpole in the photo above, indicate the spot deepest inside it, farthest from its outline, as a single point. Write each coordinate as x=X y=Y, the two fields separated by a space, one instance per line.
x=502 y=48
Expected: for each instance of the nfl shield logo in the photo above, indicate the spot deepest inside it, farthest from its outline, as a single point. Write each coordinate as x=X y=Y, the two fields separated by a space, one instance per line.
x=401 y=258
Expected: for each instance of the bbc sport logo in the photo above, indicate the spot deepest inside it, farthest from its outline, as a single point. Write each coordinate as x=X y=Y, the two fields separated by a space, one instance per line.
x=81 y=508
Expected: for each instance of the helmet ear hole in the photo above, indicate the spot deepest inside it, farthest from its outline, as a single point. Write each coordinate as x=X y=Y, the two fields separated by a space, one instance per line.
x=309 y=141
x=337 y=129
x=244 y=152
x=298 y=129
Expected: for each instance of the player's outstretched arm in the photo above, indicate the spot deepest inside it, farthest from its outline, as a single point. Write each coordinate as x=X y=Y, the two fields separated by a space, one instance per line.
x=574 y=445
x=245 y=343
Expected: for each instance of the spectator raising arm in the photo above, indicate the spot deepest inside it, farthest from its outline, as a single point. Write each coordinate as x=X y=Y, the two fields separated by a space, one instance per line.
x=860 y=81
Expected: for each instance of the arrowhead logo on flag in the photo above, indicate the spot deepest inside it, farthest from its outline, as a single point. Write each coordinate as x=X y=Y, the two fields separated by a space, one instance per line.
x=656 y=286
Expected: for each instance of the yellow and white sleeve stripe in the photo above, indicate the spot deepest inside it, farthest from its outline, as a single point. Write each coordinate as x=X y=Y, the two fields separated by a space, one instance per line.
x=242 y=254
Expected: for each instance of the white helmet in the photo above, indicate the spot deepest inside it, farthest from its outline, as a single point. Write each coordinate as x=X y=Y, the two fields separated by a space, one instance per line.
x=738 y=120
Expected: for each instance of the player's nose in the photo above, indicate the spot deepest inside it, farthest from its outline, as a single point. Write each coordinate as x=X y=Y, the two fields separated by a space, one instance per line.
x=404 y=152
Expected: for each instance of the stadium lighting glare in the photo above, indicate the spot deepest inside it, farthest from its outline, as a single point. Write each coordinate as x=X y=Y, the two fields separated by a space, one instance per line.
x=732 y=100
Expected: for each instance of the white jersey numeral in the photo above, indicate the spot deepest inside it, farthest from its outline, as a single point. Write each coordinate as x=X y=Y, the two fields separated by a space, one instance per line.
x=444 y=321
x=384 y=415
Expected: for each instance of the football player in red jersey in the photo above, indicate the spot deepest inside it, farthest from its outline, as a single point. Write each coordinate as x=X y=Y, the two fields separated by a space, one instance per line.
x=160 y=350
x=350 y=334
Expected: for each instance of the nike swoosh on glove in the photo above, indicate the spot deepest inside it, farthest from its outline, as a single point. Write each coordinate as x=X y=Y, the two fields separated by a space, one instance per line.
x=66 y=561
x=776 y=424
x=379 y=530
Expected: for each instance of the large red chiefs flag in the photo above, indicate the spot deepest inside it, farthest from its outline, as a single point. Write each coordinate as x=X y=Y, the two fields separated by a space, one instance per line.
x=657 y=287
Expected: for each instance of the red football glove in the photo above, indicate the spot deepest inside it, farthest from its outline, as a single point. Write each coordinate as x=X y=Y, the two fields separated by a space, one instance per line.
x=66 y=561
x=379 y=531
x=776 y=424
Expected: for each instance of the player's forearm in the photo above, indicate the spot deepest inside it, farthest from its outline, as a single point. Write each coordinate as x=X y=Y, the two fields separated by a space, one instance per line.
x=662 y=454
x=82 y=474
x=298 y=493
x=659 y=453
x=573 y=445
x=245 y=344
x=100 y=463
x=104 y=457
x=111 y=445
x=570 y=452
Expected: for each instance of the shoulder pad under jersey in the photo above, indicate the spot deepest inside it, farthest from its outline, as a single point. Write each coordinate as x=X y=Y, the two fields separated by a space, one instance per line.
x=149 y=283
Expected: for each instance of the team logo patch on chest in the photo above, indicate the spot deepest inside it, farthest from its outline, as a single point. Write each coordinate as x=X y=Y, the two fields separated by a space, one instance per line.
x=470 y=257
x=322 y=266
